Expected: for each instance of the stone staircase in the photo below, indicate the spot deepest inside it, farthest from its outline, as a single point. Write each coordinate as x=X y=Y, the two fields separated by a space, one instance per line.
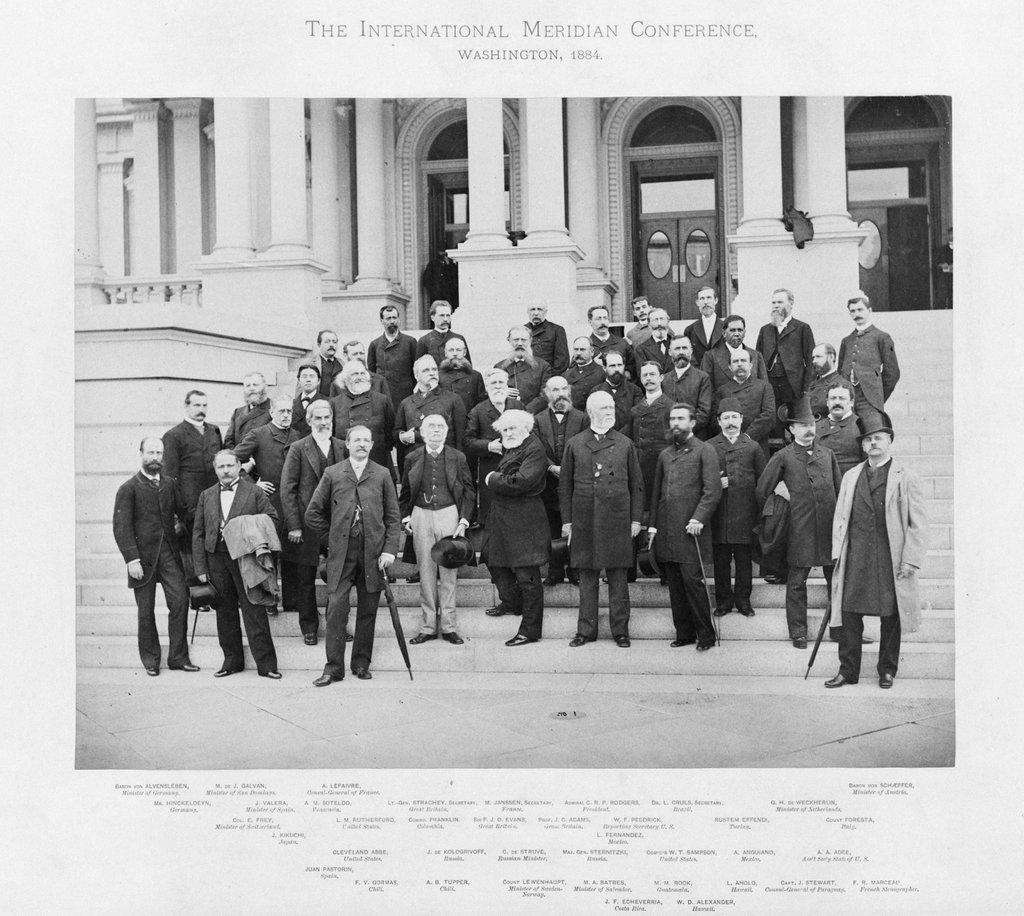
x=921 y=411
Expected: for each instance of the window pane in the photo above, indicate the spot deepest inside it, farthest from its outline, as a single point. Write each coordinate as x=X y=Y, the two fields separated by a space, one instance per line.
x=894 y=182
x=698 y=252
x=870 y=249
x=457 y=207
x=678 y=194
x=659 y=254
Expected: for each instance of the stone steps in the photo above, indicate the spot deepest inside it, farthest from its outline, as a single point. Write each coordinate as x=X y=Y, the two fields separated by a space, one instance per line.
x=751 y=658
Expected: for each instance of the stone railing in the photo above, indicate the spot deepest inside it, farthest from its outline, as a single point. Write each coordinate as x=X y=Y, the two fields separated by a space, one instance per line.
x=167 y=290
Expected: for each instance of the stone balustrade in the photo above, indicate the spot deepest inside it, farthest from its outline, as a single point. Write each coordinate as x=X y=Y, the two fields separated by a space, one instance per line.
x=166 y=290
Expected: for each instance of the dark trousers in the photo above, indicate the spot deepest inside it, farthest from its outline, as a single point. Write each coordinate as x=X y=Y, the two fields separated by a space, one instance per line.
x=520 y=589
x=298 y=593
x=796 y=598
x=227 y=580
x=691 y=613
x=550 y=498
x=171 y=578
x=338 y=607
x=726 y=597
x=850 y=645
x=618 y=602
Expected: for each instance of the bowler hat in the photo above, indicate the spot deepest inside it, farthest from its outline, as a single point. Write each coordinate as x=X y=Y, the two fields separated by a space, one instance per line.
x=560 y=552
x=874 y=423
x=646 y=562
x=729 y=405
x=801 y=412
x=203 y=597
x=452 y=552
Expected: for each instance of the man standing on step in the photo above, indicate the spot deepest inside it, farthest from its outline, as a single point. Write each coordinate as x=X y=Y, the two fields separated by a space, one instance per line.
x=867 y=357
x=640 y=331
x=879 y=542
x=757 y=402
x=189 y=448
x=425 y=400
x=837 y=430
x=825 y=376
x=527 y=374
x=741 y=462
x=253 y=413
x=547 y=339
x=602 y=499
x=323 y=357
x=304 y=466
x=355 y=506
x=432 y=343
x=706 y=331
x=786 y=343
x=624 y=393
x=583 y=375
x=149 y=518
x=309 y=391
x=358 y=405
x=685 y=383
x=811 y=475
x=717 y=360
x=392 y=355
x=649 y=428
x=230 y=498
x=457 y=375
x=354 y=350
x=604 y=341
x=437 y=501
x=687 y=489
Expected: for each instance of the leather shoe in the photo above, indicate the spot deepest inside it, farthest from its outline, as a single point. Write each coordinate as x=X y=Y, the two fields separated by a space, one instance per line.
x=423 y=637
x=746 y=611
x=573 y=579
x=722 y=611
x=273 y=675
x=309 y=639
x=519 y=640
x=188 y=666
x=453 y=638
x=677 y=643
x=349 y=637
x=885 y=681
x=415 y=577
x=325 y=680
x=800 y=642
x=499 y=610
x=549 y=581
x=578 y=641
x=224 y=672
x=622 y=642
x=838 y=681
x=704 y=646
x=153 y=672
x=362 y=673
x=774 y=580
x=271 y=611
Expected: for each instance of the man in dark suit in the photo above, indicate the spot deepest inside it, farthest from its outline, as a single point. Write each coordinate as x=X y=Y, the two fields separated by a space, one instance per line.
x=786 y=344
x=527 y=374
x=547 y=339
x=253 y=413
x=686 y=384
x=604 y=342
x=392 y=355
x=717 y=361
x=458 y=376
x=707 y=330
x=825 y=376
x=428 y=399
x=358 y=405
x=356 y=507
x=655 y=346
x=149 y=517
x=556 y=425
x=323 y=357
x=649 y=427
x=437 y=501
x=867 y=357
x=837 y=430
x=189 y=448
x=304 y=465
x=757 y=403
x=233 y=496
x=640 y=331
x=623 y=391
x=741 y=463
x=354 y=350
x=583 y=375
x=262 y=454
x=687 y=489
x=432 y=343
x=602 y=501
x=309 y=391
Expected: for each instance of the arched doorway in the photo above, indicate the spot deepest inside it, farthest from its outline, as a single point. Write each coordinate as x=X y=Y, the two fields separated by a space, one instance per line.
x=898 y=164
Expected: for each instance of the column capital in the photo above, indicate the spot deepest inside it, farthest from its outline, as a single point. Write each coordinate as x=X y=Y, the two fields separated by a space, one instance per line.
x=184 y=108
x=146 y=110
x=112 y=167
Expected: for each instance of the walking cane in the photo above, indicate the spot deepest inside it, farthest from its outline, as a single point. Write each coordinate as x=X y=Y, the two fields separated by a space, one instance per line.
x=707 y=591
x=817 y=642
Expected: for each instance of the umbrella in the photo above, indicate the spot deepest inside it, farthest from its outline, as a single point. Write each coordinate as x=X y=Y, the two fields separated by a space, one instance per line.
x=817 y=642
x=397 y=623
x=707 y=591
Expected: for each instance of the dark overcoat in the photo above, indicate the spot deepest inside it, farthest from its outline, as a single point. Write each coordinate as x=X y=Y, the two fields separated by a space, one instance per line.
x=716 y=364
x=244 y=419
x=422 y=404
x=144 y=514
x=615 y=344
x=304 y=465
x=393 y=359
x=737 y=514
x=649 y=351
x=528 y=380
x=650 y=435
x=694 y=387
x=868 y=359
x=582 y=381
x=700 y=341
x=372 y=410
x=517 y=526
x=468 y=384
x=378 y=385
x=757 y=405
x=686 y=485
x=842 y=439
x=433 y=342
x=188 y=458
x=549 y=343
x=601 y=493
x=479 y=434
x=575 y=421
x=793 y=347
x=817 y=392
x=331 y=511
x=813 y=482
x=249 y=500
x=299 y=408
x=626 y=397
x=267 y=445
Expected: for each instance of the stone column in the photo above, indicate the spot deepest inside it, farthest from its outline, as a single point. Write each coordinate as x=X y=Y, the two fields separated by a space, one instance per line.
x=147 y=227
x=762 y=166
x=545 y=224
x=233 y=181
x=88 y=272
x=346 y=236
x=112 y=216
x=800 y=153
x=486 y=176
x=371 y=223
x=583 y=129
x=288 y=226
x=826 y=163
x=323 y=128
x=188 y=217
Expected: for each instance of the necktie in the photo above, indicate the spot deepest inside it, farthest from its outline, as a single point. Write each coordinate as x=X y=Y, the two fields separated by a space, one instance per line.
x=229 y=487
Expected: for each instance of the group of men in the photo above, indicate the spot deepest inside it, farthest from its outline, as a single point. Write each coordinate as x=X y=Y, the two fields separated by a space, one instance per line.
x=679 y=436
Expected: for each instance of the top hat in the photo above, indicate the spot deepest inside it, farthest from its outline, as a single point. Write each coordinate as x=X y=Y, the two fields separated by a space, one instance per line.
x=875 y=422
x=452 y=552
x=801 y=412
x=646 y=561
x=203 y=596
x=560 y=552
x=727 y=405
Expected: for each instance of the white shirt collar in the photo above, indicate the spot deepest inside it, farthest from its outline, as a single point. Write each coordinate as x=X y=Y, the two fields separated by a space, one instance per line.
x=358 y=466
x=735 y=349
x=154 y=478
x=198 y=424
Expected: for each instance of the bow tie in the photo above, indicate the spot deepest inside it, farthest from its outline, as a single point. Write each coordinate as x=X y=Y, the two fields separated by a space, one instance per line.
x=229 y=487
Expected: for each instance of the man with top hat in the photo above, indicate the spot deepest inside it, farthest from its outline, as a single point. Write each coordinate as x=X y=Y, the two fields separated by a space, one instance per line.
x=149 y=518
x=838 y=430
x=437 y=501
x=518 y=543
x=355 y=506
x=602 y=499
x=867 y=357
x=879 y=541
x=686 y=491
x=741 y=462
x=811 y=476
